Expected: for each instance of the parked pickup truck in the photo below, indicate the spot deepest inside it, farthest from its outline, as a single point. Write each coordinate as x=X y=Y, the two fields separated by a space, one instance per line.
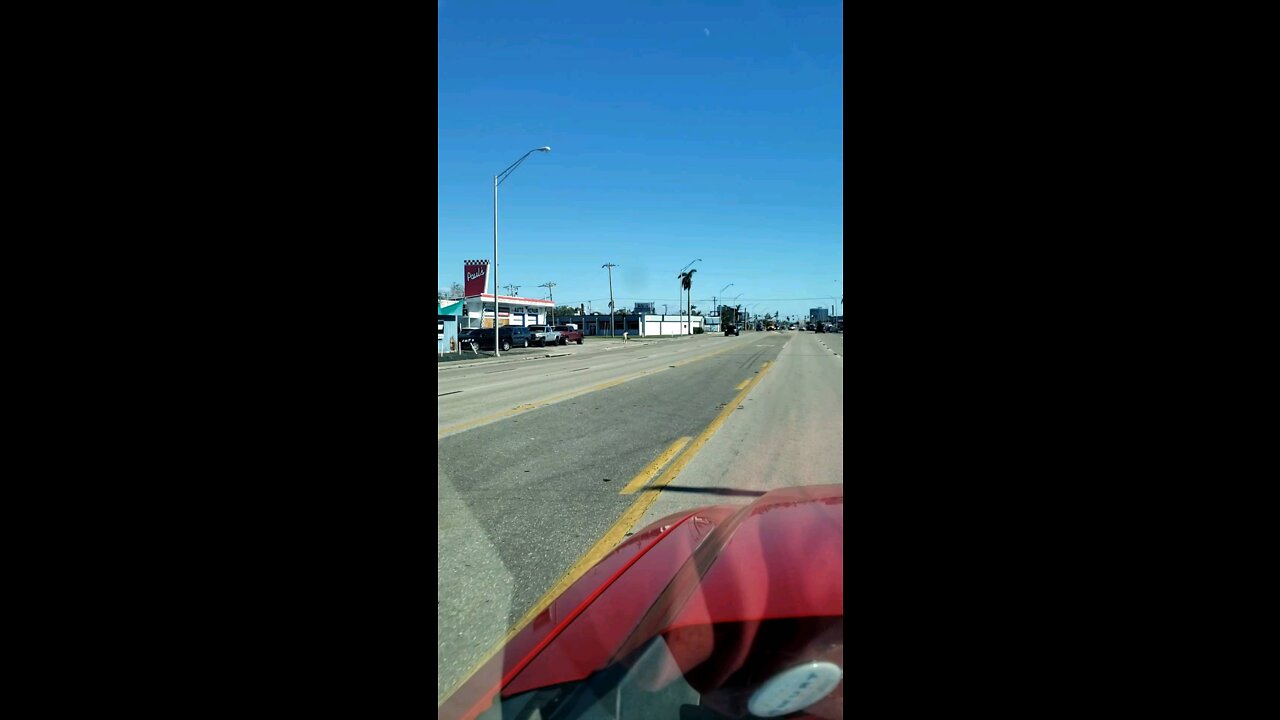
x=544 y=335
x=568 y=334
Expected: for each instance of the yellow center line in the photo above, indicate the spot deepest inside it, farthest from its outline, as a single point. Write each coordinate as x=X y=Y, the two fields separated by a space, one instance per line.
x=743 y=384
x=616 y=533
x=652 y=468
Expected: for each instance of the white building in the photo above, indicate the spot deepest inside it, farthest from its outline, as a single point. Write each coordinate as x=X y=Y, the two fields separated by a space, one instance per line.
x=636 y=325
x=512 y=310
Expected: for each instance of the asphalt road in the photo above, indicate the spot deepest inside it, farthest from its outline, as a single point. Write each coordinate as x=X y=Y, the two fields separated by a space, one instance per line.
x=535 y=451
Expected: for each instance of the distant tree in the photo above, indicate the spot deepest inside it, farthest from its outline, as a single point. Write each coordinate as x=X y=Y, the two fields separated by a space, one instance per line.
x=686 y=282
x=566 y=310
x=454 y=292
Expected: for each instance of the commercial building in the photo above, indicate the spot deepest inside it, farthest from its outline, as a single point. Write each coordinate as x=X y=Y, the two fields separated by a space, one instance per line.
x=512 y=310
x=480 y=306
x=636 y=324
x=448 y=313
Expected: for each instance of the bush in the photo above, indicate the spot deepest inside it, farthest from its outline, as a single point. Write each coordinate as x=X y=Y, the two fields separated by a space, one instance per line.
x=697 y=330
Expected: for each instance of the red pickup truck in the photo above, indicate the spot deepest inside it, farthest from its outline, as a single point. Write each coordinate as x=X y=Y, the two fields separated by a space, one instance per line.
x=568 y=334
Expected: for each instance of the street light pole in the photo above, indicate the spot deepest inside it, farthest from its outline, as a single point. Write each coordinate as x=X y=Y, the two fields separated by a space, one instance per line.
x=497 y=180
x=610 y=266
x=715 y=307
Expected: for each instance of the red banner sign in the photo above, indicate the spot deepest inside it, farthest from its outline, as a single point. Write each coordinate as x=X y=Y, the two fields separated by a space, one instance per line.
x=476 y=273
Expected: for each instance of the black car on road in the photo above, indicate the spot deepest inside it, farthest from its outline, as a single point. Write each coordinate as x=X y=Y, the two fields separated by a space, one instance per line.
x=730 y=329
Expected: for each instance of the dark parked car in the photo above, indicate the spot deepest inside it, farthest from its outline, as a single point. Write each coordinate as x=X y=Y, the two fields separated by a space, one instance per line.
x=810 y=326
x=470 y=337
x=820 y=327
x=730 y=329
x=509 y=336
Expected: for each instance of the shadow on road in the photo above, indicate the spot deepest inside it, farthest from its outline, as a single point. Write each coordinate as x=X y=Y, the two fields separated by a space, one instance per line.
x=708 y=490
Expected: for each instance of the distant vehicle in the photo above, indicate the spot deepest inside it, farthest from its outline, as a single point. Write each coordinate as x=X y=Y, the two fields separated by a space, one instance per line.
x=820 y=327
x=730 y=329
x=792 y=327
x=544 y=335
x=810 y=326
x=509 y=336
x=569 y=333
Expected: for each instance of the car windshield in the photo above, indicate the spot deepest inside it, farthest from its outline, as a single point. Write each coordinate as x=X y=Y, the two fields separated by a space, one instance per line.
x=639 y=475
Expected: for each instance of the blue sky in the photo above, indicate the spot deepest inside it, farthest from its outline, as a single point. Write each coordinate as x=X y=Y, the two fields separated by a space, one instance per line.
x=678 y=131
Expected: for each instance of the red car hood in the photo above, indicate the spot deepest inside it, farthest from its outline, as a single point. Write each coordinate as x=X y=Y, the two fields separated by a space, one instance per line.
x=780 y=557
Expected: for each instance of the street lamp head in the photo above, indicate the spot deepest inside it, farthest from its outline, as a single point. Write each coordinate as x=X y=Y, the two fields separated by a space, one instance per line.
x=546 y=148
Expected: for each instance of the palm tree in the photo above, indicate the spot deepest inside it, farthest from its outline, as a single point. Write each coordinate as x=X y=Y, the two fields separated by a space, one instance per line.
x=686 y=282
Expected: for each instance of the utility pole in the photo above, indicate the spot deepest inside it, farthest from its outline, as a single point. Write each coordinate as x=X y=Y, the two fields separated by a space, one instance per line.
x=610 y=266
x=512 y=289
x=548 y=285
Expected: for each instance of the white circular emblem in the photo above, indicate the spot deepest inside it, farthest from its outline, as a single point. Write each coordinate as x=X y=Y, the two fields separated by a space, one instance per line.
x=794 y=689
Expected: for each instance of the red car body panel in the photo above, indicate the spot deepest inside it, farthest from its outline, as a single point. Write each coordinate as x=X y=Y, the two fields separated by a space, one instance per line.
x=785 y=560
x=779 y=557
